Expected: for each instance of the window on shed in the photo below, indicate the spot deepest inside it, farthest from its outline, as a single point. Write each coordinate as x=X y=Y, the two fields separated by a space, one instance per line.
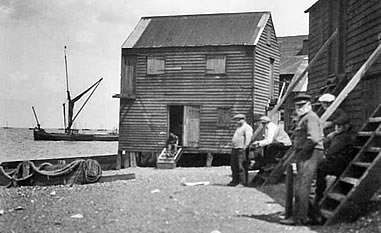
x=223 y=117
x=155 y=65
x=216 y=64
x=128 y=81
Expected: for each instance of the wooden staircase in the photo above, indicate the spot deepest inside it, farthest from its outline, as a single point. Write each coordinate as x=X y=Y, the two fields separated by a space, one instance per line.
x=168 y=162
x=347 y=197
x=289 y=157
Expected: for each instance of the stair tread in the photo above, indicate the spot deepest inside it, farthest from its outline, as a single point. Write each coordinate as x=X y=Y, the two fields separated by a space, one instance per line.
x=336 y=196
x=369 y=149
x=326 y=213
x=374 y=149
x=362 y=164
x=350 y=180
x=374 y=119
x=365 y=133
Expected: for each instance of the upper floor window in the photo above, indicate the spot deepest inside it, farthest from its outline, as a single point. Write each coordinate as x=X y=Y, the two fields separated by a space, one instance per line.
x=155 y=65
x=216 y=64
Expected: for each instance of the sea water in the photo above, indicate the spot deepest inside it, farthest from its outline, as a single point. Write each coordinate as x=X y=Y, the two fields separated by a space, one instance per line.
x=18 y=144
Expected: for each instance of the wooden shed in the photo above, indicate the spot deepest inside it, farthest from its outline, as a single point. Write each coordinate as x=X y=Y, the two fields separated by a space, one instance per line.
x=190 y=74
x=359 y=32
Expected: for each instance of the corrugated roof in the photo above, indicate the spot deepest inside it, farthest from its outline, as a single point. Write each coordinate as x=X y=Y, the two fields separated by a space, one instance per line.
x=198 y=30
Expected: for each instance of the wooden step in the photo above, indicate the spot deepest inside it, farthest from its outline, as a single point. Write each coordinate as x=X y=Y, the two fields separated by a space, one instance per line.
x=326 y=213
x=166 y=165
x=374 y=119
x=369 y=149
x=336 y=196
x=365 y=133
x=373 y=149
x=350 y=180
x=362 y=164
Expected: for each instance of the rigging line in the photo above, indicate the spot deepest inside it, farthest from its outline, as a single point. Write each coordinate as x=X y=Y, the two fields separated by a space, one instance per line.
x=84 y=92
x=83 y=105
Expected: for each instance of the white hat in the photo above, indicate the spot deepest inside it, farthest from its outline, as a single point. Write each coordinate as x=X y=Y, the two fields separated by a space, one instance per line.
x=326 y=98
x=239 y=116
x=265 y=119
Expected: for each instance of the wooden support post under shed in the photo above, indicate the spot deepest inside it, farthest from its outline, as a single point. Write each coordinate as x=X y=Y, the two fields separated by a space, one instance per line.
x=209 y=159
x=125 y=161
x=118 y=162
x=132 y=156
x=25 y=168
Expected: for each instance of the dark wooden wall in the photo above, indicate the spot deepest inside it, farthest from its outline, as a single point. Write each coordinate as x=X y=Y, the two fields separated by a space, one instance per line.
x=359 y=25
x=362 y=38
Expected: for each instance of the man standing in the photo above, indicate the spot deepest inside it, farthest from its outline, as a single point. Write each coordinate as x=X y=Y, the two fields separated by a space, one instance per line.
x=276 y=140
x=241 y=140
x=308 y=146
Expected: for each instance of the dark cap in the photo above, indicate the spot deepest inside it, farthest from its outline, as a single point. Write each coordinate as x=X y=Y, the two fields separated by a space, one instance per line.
x=342 y=120
x=239 y=116
x=302 y=98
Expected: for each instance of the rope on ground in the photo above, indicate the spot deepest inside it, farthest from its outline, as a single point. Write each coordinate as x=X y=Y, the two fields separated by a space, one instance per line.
x=92 y=170
x=79 y=171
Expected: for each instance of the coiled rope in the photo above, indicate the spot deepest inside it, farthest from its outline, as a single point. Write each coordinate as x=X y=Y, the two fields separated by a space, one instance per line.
x=81 y=171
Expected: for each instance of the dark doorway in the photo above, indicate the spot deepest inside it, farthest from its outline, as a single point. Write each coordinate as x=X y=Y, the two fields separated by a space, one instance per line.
x=176 y=120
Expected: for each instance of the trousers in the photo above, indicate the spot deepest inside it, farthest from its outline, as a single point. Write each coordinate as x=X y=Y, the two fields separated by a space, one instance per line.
x=306 y=171
x=238 y=165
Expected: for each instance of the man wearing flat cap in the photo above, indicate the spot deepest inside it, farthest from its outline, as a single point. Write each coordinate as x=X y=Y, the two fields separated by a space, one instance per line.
x=241 y=140
x=308 y=136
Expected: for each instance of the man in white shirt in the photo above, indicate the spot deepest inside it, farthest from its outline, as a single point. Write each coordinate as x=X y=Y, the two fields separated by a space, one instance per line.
x=275 y=140
x=241 y=141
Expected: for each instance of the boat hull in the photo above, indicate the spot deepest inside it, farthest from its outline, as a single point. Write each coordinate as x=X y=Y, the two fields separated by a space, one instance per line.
x=42 y=135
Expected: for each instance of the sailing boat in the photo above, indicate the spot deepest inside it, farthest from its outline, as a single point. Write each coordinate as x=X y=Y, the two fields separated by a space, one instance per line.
x=71 y=134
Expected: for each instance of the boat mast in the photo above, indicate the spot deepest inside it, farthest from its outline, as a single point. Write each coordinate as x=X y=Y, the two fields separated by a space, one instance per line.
x=35 y=116
x=71 y=103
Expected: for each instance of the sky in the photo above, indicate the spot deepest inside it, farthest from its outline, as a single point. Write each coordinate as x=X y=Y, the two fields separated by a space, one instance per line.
x=33 y=34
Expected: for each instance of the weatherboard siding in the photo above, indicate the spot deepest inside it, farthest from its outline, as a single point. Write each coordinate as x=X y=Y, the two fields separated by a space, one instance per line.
x=144 y=121
x=263 y=52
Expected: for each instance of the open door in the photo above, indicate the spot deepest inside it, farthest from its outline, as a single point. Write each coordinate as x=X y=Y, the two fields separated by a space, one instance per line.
x=191 y=136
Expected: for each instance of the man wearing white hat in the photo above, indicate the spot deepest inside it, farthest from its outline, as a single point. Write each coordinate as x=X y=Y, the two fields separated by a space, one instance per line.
x=326 y=100
x=241 y=140
x=275 y=140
